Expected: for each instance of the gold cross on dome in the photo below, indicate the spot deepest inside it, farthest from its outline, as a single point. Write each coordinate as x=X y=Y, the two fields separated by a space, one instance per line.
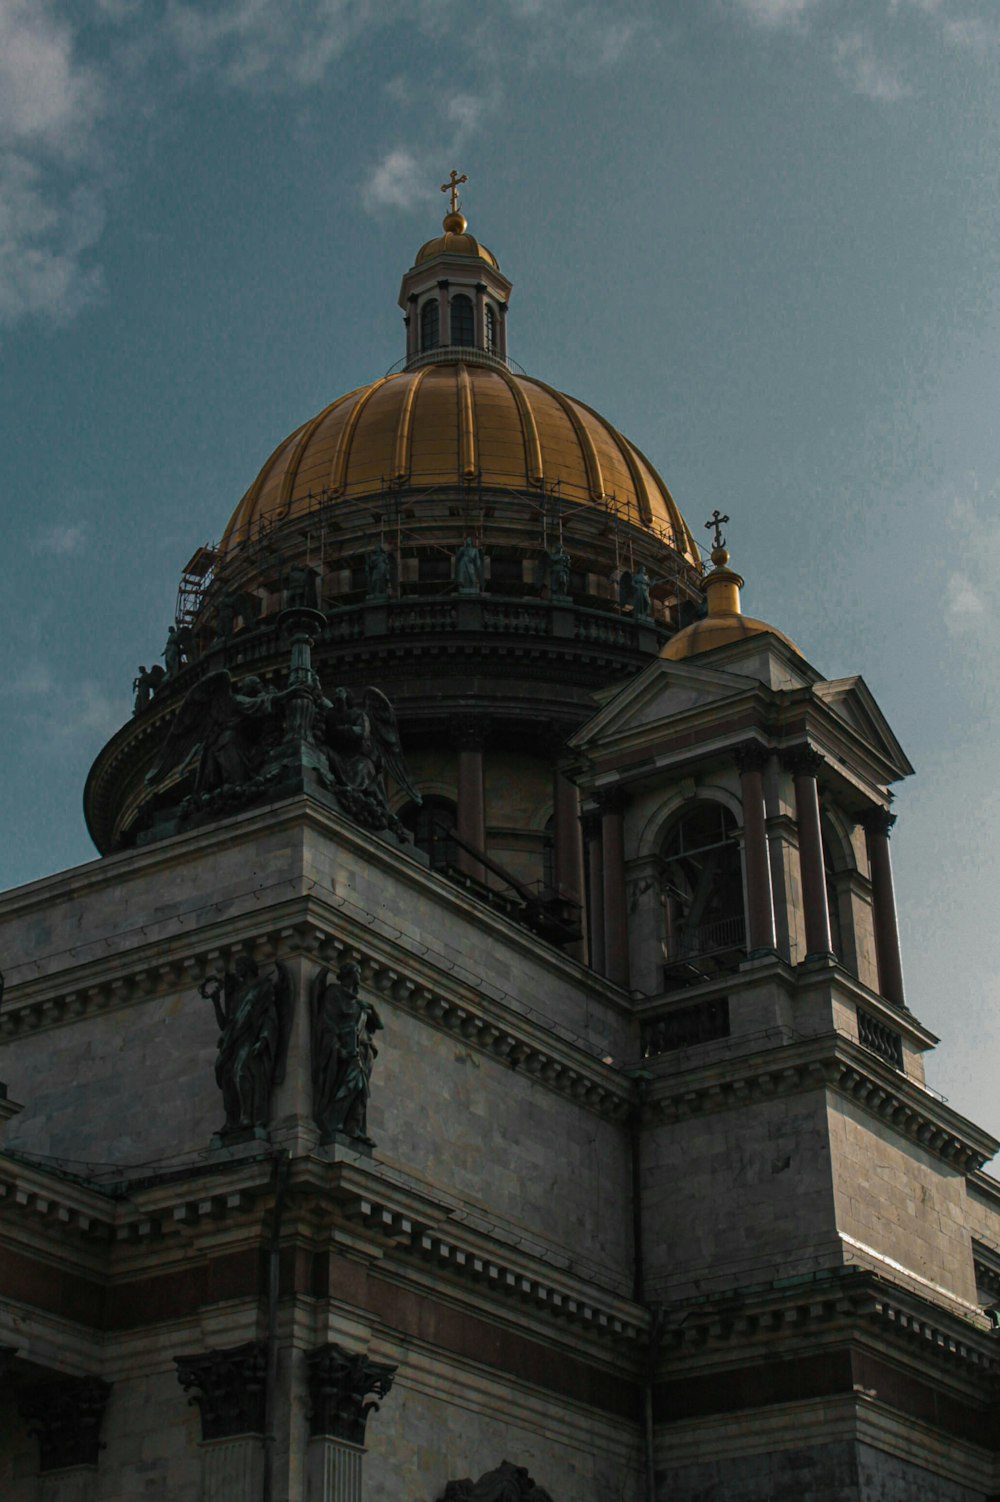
x=452 y=188
x=718 y=521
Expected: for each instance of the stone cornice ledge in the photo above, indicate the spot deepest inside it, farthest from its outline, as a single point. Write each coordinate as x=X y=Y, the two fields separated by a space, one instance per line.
x=834 y=1061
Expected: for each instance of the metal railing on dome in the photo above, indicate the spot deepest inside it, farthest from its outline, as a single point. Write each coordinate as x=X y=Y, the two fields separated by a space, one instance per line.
x=454 y=354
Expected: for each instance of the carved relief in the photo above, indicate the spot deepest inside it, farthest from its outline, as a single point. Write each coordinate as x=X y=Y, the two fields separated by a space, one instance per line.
x=230 y=1389
x=340 y=1383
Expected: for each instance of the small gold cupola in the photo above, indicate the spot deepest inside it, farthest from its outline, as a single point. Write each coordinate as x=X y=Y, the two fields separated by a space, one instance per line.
x=724 y=621
x=454 y=297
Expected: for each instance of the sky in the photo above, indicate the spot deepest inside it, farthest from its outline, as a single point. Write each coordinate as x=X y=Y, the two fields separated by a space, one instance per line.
x=761 y=236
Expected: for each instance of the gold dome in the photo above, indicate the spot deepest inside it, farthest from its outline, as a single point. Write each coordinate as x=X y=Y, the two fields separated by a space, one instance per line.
x=452 y=424
x=455 y=243
x=725 y=622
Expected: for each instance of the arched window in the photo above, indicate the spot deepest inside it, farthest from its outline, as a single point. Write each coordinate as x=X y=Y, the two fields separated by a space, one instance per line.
x=701 y=888
x=463 y=323
x=431 y=823
x=490 y=329
x=430 y=324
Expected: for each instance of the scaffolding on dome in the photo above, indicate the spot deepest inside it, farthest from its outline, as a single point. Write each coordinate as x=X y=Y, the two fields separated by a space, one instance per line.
x=195 y=579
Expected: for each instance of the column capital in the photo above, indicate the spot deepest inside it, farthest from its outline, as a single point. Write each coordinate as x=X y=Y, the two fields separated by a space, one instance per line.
x=65 y=1415
x=751 y=756
x=610 y=800
x=802 y=761
x=231 y=1388
x=444 y=283
x=340 y=1384
x=877 y=820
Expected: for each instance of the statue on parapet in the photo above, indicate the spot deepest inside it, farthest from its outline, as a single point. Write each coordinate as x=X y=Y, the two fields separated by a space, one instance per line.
x=362 y=744
x=343 y=1053
x=176 y=652
x=557 y=567
x=378 y=574
x=469 y=569
x=222 y=730
x=254 y=1016
x=145 y=685
x=635 y=591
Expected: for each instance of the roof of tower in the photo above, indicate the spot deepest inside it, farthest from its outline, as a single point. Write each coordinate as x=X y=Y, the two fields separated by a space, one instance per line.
x=725 y=622
x=456 y=241
x=460 y=423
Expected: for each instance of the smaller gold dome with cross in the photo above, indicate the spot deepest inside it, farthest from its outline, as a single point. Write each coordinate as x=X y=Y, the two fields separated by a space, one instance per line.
x=456 y=241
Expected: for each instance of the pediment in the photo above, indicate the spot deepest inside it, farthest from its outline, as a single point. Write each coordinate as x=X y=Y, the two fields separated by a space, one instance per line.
x=852 y=701
x=661 y=691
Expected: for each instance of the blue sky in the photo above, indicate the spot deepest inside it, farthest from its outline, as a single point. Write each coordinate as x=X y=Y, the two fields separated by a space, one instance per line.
x=760 y=235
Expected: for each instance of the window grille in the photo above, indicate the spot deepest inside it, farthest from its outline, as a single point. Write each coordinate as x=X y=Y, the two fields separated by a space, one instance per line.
x=430 y=324
x=463 y=324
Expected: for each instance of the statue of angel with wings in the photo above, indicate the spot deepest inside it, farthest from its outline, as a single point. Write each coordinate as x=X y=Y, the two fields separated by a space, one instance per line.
x=362 y=744
x=221 y=729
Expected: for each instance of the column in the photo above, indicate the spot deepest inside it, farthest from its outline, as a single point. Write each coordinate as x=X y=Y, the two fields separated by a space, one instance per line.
x=804 y=763
x=340 y=1388
x=412 y=327
x=65 y=1415
x=568 y=851
x=591 y=826
x=502 y=329
x=470 y=737
x=480 y=315
x=230 y=1391
x=444 y=314
x=877 y=824
x=751 y=759
x=612 y=805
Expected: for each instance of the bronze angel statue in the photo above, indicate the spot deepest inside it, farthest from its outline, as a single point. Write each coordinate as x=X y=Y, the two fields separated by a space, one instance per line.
x=343 y=1027
x=362 y=745
x=254 y=1016
x=223 y=731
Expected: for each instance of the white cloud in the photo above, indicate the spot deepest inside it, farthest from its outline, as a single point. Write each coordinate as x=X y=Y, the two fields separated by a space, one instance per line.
x=970 y=596
x=50 y=210
x=60 y=539
x=398 y=181
x=259 y=43
x=971 y=34
x=864 y=72
x=776 y=13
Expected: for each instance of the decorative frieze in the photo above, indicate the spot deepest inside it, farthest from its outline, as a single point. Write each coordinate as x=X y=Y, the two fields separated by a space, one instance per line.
x=341 y=1384
x=65 y=1415
x=230 y=1389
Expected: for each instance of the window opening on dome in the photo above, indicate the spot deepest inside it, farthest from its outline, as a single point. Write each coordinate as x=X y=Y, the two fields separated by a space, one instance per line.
x=463 y=323
x=701 y=890
x=430 y=324
x=490 y=330
x=431 y=823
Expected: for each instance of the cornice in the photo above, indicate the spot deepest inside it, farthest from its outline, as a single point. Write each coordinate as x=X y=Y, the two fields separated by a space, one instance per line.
x=827 y=1061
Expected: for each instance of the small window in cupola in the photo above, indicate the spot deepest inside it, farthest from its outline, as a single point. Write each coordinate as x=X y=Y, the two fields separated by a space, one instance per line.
x=490 y=329
x=463 y=324
x=430 y=324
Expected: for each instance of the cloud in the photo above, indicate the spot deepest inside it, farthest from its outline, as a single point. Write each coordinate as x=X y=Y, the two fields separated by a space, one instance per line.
x=259 y=44
x=971 y=34
x=51 y=213
x=970 y=596
x=776 y=13
x=864 y=72
x=60 y=540
x=398 y=181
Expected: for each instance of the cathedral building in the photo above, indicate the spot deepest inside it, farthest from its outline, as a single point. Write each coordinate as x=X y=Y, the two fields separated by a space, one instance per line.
x=477 y=1064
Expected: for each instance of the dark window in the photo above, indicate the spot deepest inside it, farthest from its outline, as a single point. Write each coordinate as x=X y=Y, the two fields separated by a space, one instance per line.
x=430 y=325
x=491 y=330
x=701 y=886
x=431 y=823
x=463 y=324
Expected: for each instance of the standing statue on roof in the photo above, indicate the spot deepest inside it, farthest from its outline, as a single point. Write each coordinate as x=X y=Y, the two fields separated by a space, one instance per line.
x=557 y=566
x=253 y=1012
x=378 y=573
x=145 y=686
x=469 y=569
x=343 y=1053
x=362 y=745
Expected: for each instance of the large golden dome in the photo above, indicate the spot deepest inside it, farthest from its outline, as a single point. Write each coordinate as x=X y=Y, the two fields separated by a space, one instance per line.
x=460 y=423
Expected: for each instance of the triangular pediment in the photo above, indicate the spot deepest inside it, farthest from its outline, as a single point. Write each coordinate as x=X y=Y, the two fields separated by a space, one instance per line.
x=852 y=701
x=661 y=691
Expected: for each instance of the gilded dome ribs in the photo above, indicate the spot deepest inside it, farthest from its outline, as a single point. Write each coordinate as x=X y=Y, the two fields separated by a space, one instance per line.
x=533 y=466
x=466 y=425
x=291 y=473
x=338 y=470
x=595 y=478
x=404 y=429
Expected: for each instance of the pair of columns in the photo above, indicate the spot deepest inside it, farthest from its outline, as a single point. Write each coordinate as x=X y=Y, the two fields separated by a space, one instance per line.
x=804 y=763
x=471 y=818
x=229 y=1391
